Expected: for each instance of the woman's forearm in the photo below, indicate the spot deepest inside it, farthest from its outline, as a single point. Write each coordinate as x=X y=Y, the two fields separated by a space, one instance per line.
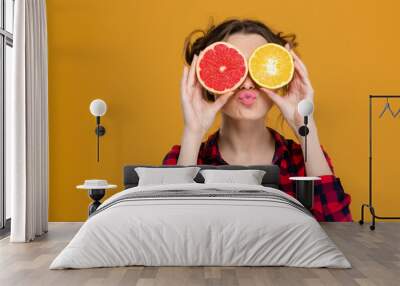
x=190 y=146
x=316 y=164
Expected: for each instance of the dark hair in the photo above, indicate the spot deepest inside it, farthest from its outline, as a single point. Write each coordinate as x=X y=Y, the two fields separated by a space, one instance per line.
x=215 y=33
x=228 y=27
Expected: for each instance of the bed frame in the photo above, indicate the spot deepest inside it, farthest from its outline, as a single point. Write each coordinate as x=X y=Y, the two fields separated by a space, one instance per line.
x=270 y=179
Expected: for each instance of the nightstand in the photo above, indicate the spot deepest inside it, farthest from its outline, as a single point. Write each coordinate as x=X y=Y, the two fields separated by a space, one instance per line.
x=305 y=190
x=97 y=190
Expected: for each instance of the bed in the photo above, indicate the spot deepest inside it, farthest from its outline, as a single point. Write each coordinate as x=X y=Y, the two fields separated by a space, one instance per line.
x=201 y=224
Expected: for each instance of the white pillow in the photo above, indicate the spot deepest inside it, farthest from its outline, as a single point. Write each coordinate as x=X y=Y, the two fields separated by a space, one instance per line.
x=249 y=177
x=162 y=176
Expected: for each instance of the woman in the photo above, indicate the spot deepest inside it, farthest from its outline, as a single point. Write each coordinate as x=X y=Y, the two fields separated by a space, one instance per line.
x=243 y=138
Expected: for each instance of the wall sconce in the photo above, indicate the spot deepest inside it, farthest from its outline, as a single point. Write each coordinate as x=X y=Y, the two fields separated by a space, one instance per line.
x=305 y=108
x=98 y=108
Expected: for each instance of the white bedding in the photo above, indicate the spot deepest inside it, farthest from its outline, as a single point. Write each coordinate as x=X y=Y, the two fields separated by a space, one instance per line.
x=183 y=231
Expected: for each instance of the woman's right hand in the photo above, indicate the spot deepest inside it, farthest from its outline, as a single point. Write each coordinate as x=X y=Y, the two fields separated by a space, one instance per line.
x=198 y=113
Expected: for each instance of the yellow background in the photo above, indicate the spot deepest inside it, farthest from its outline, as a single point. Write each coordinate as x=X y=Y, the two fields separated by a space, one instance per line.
x=128 y=53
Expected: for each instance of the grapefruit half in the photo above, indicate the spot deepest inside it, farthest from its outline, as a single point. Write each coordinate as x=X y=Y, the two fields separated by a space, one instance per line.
x=221 y=68
x=271 y=66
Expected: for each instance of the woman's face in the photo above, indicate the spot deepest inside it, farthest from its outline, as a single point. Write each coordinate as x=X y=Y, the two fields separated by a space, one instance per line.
x=248 y=101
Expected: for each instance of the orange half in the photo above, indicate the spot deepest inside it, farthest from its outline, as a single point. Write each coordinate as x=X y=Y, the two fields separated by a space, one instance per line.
x=271 y=66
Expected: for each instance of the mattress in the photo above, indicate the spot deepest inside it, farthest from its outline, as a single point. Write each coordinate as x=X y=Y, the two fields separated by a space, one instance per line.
x=201 y=225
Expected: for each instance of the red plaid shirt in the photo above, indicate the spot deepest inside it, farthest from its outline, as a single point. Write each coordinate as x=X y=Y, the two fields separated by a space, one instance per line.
x=331 y=203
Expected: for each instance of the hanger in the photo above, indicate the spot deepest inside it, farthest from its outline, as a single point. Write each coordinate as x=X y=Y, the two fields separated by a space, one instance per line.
x=387 y=107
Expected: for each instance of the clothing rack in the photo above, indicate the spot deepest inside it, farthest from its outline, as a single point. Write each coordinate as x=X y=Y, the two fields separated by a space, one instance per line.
x=370 y=205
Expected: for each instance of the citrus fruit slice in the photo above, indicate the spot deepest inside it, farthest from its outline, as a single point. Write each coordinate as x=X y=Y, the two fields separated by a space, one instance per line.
x=271 y=66
x=221 y=68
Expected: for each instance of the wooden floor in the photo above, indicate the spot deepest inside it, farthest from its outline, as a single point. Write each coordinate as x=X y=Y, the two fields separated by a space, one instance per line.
x=375 y=256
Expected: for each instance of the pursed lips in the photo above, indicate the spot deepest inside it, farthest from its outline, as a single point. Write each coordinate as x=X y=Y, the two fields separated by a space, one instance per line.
x=247 y=97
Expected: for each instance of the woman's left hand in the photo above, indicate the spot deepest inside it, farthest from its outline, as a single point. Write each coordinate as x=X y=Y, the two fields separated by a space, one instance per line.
x=299 y=88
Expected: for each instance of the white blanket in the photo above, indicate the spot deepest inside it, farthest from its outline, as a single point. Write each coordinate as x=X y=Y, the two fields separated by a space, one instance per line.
x=191 y=230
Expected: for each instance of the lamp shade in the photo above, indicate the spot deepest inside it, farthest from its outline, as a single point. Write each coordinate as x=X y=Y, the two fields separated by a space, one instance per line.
x=305 y=107
x=98 y=107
